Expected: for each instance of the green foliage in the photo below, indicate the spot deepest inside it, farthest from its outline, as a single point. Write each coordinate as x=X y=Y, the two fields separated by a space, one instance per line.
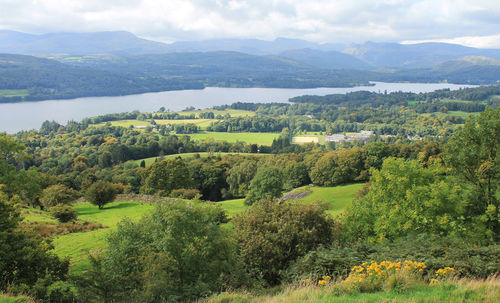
x=474 y=154
x=404 y=198
x=164 y=176
x=436 y=252
x=267 y=183
x=240 y=176
x=57 y=194
x=184 y=193
x=24 y=258
x=178 y=252
x=272 y=235
x=63 y=213
x=101 y=193
x=339 y=167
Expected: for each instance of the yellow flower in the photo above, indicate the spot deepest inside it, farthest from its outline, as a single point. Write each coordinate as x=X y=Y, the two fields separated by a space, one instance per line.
x=322 y=282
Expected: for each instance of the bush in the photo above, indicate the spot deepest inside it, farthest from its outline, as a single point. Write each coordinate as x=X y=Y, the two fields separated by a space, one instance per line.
x=57 y=194
x=100 y=193
x=179 y=252
x=267 y=183
x=436 y=252
x=63 y=213
x=272 y=235
x=185 y=193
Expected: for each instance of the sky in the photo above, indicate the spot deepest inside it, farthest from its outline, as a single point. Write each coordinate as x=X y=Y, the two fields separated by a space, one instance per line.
x=469 y=22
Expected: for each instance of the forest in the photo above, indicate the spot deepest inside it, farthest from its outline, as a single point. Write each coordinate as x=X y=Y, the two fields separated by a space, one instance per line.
x=427 y=212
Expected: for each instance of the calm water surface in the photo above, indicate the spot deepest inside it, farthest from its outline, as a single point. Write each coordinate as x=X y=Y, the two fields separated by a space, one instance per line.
x=30 y=115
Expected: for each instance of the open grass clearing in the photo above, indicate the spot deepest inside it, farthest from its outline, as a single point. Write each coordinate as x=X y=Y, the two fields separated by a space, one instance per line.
x=231 y=112
x=76 y=246
x=14 y=93
x=305 y=139
x=250 y=138
x=125 y=123
x=202 y=123
x=338 y=197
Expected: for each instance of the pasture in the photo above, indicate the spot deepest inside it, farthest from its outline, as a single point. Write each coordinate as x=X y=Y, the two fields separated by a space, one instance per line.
x=14 y=93
x=250 y=138
x=76 y=246
x=305 y=139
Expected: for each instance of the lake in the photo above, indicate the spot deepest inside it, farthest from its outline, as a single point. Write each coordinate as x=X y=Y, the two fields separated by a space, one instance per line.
x=30 y=115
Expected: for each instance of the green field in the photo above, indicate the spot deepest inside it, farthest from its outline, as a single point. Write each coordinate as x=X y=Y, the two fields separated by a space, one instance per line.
x=202 y=123
x=14 y=93
x=126 y=123
x=338 y=197
x=461 y=114
x=232 y=112
x=77 y=245
x=250 y=138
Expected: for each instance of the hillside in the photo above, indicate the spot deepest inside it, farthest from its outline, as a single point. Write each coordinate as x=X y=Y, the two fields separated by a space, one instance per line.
x=419 y=55
x=326 y=59
x=111 y=42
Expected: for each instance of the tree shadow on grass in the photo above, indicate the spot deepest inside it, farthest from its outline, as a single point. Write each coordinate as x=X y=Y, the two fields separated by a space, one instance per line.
x=96 y=210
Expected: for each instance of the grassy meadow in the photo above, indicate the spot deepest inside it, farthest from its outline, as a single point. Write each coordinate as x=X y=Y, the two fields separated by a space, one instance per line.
x=447 y=292
x=77 y=245
x=14 y=93
x=338 y=197
x=254 y=138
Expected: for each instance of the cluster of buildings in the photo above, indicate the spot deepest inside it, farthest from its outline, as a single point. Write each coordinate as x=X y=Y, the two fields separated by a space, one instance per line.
x=363 y=135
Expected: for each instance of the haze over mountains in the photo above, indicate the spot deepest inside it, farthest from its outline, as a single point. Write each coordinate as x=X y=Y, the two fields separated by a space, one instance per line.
x=132 y=65
x=337 y=56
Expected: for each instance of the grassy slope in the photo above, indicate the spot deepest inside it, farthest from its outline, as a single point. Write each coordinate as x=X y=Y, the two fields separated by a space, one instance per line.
x=77 y=245
x=254 y=138
x=14 y=92
x=454 y=291
x=338 y=197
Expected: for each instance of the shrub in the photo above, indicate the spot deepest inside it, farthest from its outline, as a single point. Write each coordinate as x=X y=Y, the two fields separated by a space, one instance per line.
x=267 y=183
x=179 y=252
x=63 y=213
x=436 y=252
x=57 y=194
x=185 y=193
x=272 y=235
x=100 y=193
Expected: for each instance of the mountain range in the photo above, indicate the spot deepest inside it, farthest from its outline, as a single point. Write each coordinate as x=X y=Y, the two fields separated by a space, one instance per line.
x=369 y=55
x=68 y=65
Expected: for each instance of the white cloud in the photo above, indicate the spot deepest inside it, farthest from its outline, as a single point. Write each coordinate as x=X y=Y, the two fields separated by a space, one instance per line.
x=462 y=21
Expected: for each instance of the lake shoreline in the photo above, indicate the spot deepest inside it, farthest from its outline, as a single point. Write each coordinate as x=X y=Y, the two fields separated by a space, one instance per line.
x=20 y=116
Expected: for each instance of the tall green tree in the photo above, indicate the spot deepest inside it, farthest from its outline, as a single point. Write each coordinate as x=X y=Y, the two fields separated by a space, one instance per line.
x=473 y=153
x=406 y=198
x=164 y=176
x=267 y=183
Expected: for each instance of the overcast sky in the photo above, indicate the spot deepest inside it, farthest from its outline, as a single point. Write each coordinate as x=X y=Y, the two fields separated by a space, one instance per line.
x=469 y=22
